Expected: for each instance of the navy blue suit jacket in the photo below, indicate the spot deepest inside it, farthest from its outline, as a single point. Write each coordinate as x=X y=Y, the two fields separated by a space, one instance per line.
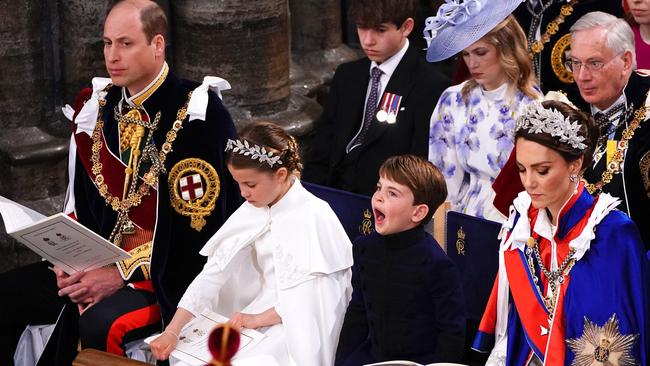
x=406 y=302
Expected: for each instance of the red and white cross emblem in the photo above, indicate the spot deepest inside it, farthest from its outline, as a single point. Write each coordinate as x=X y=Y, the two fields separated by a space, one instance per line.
x=191 y=187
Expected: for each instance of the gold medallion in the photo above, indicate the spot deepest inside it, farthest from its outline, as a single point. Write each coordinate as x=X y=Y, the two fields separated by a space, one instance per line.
x=558 y=56
x=194 y=187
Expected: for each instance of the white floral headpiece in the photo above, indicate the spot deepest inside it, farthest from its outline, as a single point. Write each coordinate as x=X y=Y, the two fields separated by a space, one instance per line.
x=538 y=119
x=255 y=152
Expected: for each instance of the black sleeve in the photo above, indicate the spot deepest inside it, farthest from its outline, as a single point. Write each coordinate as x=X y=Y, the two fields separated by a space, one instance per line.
x=318 y=158
x=355 y=324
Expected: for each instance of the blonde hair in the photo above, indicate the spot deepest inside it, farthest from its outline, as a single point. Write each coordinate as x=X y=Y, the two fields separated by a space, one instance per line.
x=510 y=41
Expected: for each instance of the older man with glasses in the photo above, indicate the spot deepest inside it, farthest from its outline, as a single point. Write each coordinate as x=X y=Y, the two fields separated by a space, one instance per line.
x=603 y=63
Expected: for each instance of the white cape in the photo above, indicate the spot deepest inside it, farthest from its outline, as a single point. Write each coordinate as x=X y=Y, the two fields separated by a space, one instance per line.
x=312 y=257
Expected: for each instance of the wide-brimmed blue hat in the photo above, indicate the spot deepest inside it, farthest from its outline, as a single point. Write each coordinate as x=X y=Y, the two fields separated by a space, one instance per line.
x=459 y=23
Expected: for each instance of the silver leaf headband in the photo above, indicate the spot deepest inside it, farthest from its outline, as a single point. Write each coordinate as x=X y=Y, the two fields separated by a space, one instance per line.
x=255 y=152
x=538 y=119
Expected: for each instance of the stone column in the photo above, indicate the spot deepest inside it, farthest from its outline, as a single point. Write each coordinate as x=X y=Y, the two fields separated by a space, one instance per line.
x=81 y=44
x=24 y=97
x=28 y=154
x=32 y=161
x=316 y=32
x=247 y=43
x=316 y=44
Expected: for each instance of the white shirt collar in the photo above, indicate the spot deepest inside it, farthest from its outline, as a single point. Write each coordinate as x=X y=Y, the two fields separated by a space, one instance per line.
x=389 y=66
x=496 y=94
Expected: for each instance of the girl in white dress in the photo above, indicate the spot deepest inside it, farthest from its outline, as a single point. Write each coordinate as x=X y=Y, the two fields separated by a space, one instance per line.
x=472 y=125
x=280 y=264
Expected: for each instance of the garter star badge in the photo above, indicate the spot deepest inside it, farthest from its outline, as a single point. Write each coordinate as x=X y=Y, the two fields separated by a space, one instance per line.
x=603 y=345
x=194 y=187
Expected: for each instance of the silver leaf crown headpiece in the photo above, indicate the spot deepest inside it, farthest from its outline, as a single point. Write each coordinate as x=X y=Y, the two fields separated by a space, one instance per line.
x=538 y=119
x=255 y=152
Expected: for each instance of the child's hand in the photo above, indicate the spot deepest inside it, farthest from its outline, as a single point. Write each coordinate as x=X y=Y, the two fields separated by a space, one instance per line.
x=241 y=320
x=162 y=346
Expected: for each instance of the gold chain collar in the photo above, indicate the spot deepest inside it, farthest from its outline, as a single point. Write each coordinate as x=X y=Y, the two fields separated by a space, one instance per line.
x=614 y=165
x=551 y=29
x=150 y=179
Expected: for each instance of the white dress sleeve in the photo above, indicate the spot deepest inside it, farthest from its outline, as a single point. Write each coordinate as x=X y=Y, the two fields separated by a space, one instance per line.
x=203 y=293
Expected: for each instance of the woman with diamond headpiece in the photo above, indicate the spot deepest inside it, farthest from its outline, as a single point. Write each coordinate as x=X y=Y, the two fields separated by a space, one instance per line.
x=471 y=127
x=571 y=287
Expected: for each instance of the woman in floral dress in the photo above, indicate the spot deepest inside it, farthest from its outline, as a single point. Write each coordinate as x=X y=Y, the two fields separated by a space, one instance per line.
x=471 y=131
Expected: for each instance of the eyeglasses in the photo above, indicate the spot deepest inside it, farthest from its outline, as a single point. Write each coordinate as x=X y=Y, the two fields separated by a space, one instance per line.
x=592 y=66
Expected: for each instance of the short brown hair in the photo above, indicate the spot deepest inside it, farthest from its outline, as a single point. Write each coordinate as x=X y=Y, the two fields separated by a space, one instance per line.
x=422 y=177
x=588 y=130
x=372 y=13
x=152 y=17
x=510 y=41
x=273 y=139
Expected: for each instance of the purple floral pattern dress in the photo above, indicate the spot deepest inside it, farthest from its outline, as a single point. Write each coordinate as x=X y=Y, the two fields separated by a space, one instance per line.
x=470 y=141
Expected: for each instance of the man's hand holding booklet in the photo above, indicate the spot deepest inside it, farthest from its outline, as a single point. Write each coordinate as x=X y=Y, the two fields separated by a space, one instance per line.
x=59 y=239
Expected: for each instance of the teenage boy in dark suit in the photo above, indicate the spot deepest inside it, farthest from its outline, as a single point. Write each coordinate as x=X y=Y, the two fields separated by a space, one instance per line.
x=378 y=106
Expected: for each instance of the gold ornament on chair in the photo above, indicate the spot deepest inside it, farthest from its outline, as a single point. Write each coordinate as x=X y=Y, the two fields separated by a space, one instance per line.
x=460 y=241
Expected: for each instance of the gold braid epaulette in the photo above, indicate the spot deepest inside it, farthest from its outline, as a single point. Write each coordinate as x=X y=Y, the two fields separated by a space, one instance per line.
x=140 y=258
x=614 y=165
